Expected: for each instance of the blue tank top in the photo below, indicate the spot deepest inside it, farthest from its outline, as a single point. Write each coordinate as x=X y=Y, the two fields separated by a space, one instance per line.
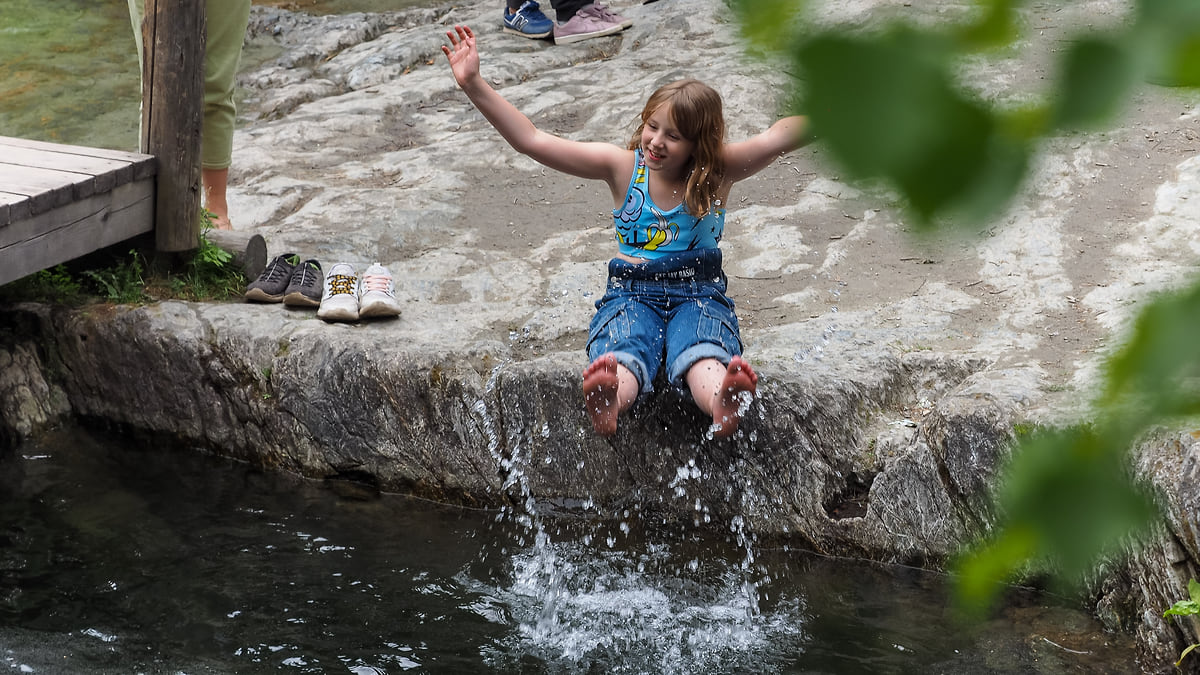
x=645 y=231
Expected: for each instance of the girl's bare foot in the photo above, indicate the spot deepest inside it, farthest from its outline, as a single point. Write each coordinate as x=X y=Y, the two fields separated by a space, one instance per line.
x=600 y=394
x=727 y=411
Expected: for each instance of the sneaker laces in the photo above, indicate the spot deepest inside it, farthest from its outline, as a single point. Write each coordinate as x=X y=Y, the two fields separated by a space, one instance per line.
x=340 y=284
x=308 y=274
x=599 y=11
x=377 y=282
x=274 y=272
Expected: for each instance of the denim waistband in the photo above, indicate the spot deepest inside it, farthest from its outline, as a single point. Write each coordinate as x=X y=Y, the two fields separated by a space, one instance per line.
x=699 y=265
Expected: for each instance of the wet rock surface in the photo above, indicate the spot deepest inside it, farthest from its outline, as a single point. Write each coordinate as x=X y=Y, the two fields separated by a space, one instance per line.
x=894 y=368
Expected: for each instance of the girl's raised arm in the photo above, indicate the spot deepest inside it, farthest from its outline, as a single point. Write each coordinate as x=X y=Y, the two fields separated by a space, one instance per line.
x=748 y=157
x=599 y=161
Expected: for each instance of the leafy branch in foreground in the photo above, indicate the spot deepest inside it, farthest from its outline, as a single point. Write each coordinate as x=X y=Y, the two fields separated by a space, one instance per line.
x=888 y=104
x=1068 y=498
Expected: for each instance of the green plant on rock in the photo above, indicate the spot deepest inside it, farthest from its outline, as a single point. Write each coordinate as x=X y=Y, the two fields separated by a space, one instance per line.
x=55 y=285
x=207 y=253
x=210 y=274
x=1188 y=607
x=266 y=372
x=121 y=283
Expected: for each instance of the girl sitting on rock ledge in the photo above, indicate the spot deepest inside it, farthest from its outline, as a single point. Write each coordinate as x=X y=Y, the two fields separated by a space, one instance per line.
x=665 y=303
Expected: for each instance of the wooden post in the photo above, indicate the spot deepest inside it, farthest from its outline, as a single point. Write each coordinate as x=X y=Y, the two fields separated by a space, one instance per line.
x=173 y=40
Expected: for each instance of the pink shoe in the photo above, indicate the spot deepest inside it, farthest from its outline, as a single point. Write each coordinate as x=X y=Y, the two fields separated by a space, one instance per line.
x=606 y=14
x=583 y=26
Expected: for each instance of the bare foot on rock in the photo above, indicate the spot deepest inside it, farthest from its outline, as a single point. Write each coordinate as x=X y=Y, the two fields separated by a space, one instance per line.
x=739 y=380
x=600 y=394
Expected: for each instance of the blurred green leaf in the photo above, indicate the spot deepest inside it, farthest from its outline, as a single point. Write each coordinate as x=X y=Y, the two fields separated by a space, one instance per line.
x=1071 y=486
x=1150 y=369
x=1169 y=32
x=982 y=573
x=999 y=178
x=1180 y=65
x=1067 y=498
x=887 y=107
x=997 y=25
x=768 y=24
x=1169 y=12
x=1097 y=76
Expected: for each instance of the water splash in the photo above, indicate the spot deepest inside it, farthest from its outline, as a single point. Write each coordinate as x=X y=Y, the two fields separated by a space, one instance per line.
x=816 y=352
x=602 y=603
x=545 y=576
x=745 y=399
x=619 y=613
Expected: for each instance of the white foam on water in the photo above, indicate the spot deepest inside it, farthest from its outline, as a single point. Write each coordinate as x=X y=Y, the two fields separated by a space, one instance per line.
x=578 y=608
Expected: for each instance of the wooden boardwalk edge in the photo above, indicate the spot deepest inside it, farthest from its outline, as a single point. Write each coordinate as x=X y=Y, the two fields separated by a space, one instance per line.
x=36 y=176
x=74 y=230
x=59 y=202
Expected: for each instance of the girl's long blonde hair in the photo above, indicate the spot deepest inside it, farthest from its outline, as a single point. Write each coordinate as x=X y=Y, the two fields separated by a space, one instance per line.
x=696 y=111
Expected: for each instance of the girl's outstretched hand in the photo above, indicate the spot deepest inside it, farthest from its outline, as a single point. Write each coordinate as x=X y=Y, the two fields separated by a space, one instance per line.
x=464 y=58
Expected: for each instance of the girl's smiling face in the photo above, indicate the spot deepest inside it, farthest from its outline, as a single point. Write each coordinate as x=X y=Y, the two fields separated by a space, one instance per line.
x=664 y=146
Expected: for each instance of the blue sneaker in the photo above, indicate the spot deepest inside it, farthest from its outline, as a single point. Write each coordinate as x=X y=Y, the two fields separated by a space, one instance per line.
x=528 y=21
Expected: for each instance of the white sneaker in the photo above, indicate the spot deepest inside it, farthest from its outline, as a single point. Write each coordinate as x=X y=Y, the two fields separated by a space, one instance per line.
x=377 y=293
x=339 y=302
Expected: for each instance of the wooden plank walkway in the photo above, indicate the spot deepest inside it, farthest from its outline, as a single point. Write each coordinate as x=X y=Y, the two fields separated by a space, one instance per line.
x=59 y=202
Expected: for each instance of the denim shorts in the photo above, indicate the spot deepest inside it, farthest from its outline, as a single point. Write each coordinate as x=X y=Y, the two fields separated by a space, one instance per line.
x=672 y=311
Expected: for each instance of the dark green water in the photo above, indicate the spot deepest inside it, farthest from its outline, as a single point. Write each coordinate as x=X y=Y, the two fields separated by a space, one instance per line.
x=134 y=557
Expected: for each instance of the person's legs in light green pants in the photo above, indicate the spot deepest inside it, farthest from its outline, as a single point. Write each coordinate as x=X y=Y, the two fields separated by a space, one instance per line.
x=226 y=21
